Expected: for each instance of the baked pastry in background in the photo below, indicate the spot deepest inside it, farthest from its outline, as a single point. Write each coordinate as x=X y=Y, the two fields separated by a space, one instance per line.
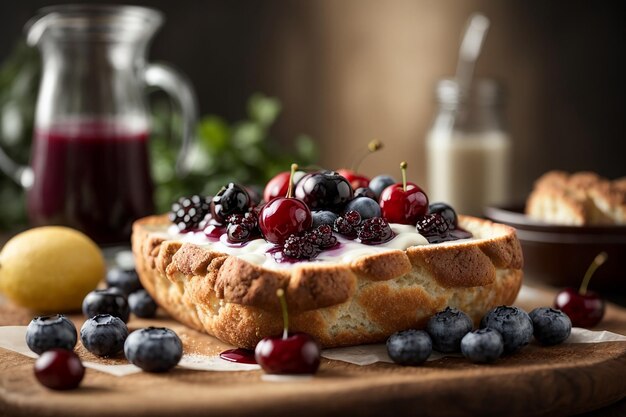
x=579 y=199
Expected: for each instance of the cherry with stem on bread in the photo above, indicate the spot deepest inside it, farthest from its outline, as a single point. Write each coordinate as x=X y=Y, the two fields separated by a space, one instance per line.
x=284 y=216
x=355 y=179
x=584 y=308
x=289 y=353
x=403 y=202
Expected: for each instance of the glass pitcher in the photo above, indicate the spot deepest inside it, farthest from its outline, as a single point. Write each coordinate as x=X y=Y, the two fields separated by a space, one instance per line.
x=89 y=165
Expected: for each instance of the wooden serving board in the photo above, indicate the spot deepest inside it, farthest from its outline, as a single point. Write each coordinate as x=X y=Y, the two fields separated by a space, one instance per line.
x=561 y=380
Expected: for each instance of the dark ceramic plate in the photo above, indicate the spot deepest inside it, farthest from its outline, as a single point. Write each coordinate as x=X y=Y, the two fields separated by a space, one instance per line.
x=560 y=255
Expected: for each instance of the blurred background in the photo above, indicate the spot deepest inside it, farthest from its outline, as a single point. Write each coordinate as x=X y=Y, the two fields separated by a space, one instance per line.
x=336 y=74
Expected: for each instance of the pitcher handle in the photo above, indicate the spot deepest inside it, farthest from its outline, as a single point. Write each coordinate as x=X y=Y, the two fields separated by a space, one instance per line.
x=179 y=88
x=21 y=174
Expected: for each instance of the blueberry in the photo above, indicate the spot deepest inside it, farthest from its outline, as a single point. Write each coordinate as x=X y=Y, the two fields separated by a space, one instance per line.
x=325 y=190
x=365 y=192
x=118 y=291
x=125 y=280
x=153 y=349
x=409 y=347
x=380 y=182
x=50 y=332
x=141 y=304
x=104 y=335
x=322 y=217
x=482 y=345
x=514 y=325
x=445 y=211
x=106 y=302
x=366 y=207
x=551 y=326
x=447 y=328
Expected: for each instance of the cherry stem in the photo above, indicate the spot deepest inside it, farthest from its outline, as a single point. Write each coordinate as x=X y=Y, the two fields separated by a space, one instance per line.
x=280 y=293
x=597 y=262
x=372 y=147
x=294 y=168
x=403 y=166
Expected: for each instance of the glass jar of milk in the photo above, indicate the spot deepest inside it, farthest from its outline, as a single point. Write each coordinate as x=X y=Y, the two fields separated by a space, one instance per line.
x=468 y=150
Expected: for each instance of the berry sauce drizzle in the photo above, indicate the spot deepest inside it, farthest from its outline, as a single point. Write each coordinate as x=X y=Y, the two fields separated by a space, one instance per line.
x=239 y=356
x=214 y=233
x=454 y=234
x=277 y=254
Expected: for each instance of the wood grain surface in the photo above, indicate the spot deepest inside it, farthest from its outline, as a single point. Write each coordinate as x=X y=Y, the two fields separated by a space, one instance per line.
x=556 y=381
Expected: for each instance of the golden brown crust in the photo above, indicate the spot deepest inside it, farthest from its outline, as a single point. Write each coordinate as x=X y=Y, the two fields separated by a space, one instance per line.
x=382 y=266
x=582 y=198
x=340 y=304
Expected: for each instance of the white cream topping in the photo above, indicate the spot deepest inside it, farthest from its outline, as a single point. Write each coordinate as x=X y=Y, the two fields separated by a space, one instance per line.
x=257 y=251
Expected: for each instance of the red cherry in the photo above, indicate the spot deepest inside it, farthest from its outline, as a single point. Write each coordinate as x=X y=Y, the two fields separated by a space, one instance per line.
x=277 y=186
x=403 y=206
x=59 y=369
x=356 y=180
x=403 y=202
x=584 y=310
x=298 y=353
x=289 y=353
x=283 y=216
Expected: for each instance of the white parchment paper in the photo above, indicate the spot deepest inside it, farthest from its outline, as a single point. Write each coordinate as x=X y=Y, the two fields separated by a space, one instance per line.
x=13 y=338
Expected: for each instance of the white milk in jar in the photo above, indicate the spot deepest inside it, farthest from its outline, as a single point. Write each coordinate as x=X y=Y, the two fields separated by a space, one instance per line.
x=468 y=151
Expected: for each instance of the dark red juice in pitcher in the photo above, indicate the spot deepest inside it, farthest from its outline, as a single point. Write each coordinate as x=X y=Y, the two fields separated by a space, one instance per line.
x=93 y=176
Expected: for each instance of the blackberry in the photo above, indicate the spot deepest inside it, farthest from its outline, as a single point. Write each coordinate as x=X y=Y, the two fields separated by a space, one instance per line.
x=322 y=237
x=234 y=219
x=241 y=227
x=432 y=225
x=348 y=224
x=248 y=220
x=353 y=217
x=375 y=230
x=188 y=212
x=299 y=247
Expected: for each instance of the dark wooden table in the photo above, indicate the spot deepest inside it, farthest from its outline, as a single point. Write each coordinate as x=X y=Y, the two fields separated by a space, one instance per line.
x=562 y=380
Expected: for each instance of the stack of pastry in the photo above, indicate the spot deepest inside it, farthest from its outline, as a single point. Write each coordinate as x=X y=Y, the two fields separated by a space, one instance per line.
x=579 y=199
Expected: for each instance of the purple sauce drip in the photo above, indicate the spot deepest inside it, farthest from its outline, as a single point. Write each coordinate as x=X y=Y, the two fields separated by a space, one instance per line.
x=454 y=234
x=239 y=356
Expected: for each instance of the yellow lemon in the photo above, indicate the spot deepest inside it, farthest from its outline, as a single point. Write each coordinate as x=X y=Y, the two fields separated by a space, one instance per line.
x=50 y=269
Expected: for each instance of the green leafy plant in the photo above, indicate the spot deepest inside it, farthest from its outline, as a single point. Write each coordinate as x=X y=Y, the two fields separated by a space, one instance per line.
x=242 y=152
x=19 y=76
